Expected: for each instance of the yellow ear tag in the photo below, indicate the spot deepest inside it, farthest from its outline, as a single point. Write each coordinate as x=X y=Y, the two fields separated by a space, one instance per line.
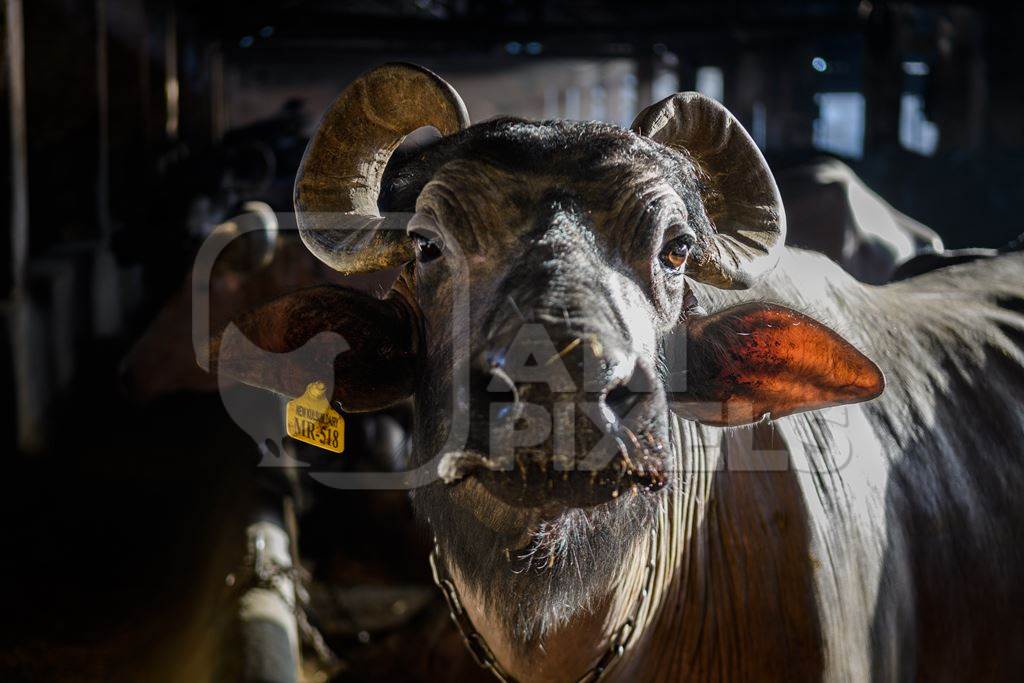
x=311 y=419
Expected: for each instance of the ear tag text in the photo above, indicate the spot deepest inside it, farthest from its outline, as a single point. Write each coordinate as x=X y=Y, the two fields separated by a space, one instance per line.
x=311 y=419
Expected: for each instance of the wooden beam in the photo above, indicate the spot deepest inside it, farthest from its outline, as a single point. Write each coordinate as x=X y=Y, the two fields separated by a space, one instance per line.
x=15 y=159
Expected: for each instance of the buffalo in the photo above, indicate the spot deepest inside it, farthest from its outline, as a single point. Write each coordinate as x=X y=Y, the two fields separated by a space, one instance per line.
x=661 y=444
x=831 y=210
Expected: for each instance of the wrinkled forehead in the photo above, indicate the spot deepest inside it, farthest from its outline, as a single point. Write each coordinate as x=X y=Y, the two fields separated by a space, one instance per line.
x=504 y=180
x=559 y=146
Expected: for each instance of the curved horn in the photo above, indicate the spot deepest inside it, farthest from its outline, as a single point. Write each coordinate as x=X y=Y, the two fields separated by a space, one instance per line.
x=340 y=174
x=740 y=196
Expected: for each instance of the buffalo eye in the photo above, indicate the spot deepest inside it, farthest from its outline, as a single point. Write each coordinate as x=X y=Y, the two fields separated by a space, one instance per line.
x=673 y=254
x=428 y=247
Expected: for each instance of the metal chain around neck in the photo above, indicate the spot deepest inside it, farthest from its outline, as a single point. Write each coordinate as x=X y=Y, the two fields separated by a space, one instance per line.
x=484 y=656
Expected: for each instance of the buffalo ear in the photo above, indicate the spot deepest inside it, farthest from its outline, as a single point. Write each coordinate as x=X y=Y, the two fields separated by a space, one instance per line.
x=361 y=347
x=756 y=359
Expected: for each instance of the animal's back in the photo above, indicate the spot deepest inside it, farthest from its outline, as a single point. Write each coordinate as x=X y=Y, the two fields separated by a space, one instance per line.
x=952 y=419
x=917 y=528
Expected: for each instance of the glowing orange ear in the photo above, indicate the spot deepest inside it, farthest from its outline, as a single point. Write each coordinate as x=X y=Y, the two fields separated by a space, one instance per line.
x=753 y=360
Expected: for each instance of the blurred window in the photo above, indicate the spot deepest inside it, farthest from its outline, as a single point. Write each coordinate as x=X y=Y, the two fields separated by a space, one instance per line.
x=839 y=127
x=598 y=103
x=711 y=82
x=916 y=68
x=628 y=95
x=572 y=103
x=917 y=133
x=759 y=124
x=665 y=83
x=551 y=102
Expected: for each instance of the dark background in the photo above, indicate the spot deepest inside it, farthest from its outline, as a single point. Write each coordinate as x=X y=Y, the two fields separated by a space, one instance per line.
x=130 y=128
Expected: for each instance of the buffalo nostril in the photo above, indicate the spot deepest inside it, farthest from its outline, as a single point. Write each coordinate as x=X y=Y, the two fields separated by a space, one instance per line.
x=632 y=388
x=621 y=400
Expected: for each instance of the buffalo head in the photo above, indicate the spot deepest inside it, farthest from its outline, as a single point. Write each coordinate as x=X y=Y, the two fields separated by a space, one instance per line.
x=545 y=278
